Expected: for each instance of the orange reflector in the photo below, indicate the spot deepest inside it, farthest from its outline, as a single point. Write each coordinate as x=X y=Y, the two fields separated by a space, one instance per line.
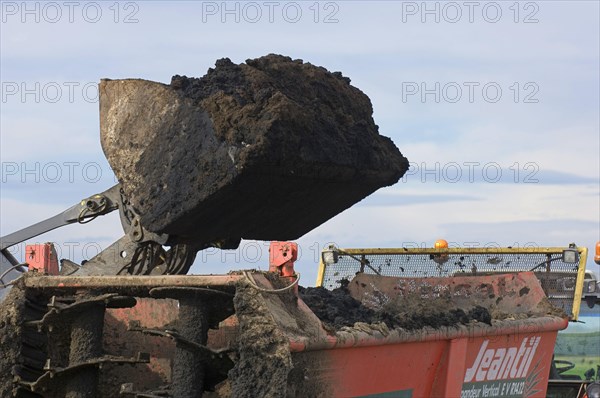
x=440 y=244
x=597 y=256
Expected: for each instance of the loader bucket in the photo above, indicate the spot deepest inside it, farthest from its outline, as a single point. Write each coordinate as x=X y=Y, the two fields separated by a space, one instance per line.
x=245 y=146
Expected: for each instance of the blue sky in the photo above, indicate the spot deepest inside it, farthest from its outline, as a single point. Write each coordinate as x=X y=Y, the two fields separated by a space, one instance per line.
x=504 y=143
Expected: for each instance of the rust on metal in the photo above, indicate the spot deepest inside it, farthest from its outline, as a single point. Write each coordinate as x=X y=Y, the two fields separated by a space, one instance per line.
x=520 y=292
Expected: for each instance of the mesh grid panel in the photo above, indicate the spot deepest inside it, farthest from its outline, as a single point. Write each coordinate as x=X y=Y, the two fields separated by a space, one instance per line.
x=557 y=277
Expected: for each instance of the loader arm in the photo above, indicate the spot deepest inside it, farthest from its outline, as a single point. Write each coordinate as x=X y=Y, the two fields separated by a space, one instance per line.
x=139 y=251
x=83 y=212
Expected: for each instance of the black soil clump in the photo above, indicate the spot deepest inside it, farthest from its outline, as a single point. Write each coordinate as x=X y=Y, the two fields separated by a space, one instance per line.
x=337 y=308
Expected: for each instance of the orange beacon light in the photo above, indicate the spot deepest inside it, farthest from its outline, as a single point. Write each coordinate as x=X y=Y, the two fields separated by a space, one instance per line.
x=443 y=244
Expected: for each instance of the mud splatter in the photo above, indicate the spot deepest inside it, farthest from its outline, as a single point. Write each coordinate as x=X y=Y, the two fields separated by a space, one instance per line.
x=11 y=317
x=264 y=359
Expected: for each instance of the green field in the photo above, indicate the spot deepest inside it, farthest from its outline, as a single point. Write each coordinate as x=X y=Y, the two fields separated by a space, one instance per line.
x=581 y=349
x=582 y=363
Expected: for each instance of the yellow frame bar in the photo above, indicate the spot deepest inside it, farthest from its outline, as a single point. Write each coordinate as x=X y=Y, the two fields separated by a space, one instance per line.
x=458 y=250
x=583 y=251
x=321 y=272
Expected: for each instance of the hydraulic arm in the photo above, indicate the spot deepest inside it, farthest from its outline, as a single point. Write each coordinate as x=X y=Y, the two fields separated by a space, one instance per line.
x=139 y=251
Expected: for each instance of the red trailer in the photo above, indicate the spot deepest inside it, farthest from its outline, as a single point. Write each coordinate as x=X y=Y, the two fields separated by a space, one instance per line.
x=250 y=333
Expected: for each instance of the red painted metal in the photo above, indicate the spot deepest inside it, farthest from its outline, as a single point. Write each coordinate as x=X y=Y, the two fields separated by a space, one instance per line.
x=42 y=258
x=455 y=354
x=282 y=256
x=445 y=368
